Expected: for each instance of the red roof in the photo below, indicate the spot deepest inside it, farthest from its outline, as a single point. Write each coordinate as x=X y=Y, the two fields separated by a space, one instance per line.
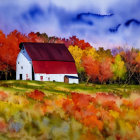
x=47 y=52
x=50 y=58
x=54 y=67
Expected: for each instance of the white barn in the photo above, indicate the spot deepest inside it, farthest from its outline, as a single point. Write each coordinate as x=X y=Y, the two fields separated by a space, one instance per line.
x=45 y=62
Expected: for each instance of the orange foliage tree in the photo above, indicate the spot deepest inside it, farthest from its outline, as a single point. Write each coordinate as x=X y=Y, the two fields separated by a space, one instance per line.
x=105 y=70
x=9 y=48
x=91 y=67
x=2 y=41
x=97 y=70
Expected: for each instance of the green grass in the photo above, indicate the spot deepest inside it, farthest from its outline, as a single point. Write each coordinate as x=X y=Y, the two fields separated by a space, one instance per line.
x=51 y=88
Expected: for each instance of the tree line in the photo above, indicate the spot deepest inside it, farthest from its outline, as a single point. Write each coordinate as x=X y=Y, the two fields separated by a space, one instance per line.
x=117 y=65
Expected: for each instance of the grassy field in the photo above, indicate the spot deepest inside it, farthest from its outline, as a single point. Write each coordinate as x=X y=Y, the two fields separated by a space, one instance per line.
x=33 y=110
x=55 y=88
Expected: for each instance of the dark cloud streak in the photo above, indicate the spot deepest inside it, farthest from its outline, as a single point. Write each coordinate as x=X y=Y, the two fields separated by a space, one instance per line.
x=132 y=21
x=115 y=29
x=79 y=16
x=101 y=22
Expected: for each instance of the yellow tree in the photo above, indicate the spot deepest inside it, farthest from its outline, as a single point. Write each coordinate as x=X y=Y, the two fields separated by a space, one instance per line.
x=90 y=52
x=103 y=54
x=138 y=58
x=77 y=54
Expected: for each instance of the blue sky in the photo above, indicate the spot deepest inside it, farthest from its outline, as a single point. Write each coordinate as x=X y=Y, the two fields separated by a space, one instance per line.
x=107 y=23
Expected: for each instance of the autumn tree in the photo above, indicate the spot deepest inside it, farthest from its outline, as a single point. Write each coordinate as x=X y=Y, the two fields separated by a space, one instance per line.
x=80 y=43
x=131 y=63
x=74 y=41
x=10 y=48
x=137 y=71
x=2 y=41
x=2 y=64
x=90 y=52
x=105 y=71
x=77 y=54
x=65 y=41
x=33 y=37
x=46 y=39
x=91 y=67
x=119 y=68
x=44 y=36
x=103 y=53
x=9 y=51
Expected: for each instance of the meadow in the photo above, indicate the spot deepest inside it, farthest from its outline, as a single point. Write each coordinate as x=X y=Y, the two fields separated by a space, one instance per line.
x=33 y=110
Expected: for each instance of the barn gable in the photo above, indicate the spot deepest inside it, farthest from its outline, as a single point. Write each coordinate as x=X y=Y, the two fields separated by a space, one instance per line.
x=23 y=66
x=24 y=52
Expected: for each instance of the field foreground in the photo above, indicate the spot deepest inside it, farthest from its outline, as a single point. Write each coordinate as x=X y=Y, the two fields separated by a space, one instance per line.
x=31 y=110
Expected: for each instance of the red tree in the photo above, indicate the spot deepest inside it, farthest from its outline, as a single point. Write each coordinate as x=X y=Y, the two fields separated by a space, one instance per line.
x=105 y=70
x=9 y=48
x=91 y=67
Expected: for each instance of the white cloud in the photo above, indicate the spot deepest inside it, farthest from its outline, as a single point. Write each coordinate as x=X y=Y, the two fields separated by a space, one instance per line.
x=58 y=15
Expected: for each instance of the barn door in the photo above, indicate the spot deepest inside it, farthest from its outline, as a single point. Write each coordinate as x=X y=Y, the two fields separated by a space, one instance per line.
x=66 y=79
x=20 y=76
x=33 y=77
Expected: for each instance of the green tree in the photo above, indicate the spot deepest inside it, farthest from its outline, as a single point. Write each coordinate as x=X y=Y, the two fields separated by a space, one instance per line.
x=119 y=68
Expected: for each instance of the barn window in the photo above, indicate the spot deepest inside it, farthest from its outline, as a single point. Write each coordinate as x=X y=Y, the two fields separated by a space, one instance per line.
x=21 y=67
x=41 y=78
x=27 y=77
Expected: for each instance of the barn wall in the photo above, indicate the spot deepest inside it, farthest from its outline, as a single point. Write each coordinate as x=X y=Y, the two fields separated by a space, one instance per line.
x=23 y=66
x=55 y=77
